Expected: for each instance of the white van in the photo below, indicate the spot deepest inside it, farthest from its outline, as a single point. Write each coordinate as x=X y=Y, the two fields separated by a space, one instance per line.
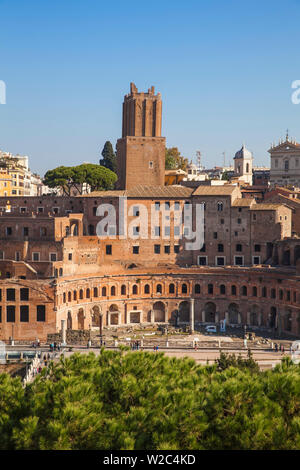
x=211 y=329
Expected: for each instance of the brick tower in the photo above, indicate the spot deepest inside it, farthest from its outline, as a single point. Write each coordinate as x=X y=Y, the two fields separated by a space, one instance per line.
x=141 y=150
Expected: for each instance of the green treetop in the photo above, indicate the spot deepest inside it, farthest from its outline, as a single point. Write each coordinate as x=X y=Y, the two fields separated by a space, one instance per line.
x=109 y=159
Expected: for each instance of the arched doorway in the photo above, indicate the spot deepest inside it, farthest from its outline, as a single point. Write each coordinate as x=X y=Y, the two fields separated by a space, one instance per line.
x=233 y=314
x=80 y=319
x=159 y=312
x=296 y=254
x=210 y=312
x=254 y=313
x=69 y=321
x=287 y=320
x=272 y=320
x=114 y=314
x=286 y=260
x=96 y=316
x=184 y=312
x=74 y=229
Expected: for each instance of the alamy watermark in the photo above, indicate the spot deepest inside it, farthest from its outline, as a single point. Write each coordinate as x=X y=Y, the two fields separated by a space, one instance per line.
x=163 y=220
x=296 y=94
x=2 y=92
x=295 y=352
x=2 y=352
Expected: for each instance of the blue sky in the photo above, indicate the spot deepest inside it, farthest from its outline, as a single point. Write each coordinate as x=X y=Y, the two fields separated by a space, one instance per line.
x=224 y=69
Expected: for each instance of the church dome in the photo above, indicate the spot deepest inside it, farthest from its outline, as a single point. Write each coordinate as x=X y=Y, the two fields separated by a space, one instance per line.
x=243 y=153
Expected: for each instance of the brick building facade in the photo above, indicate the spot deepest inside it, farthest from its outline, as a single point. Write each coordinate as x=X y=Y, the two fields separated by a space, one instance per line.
x=55 y=267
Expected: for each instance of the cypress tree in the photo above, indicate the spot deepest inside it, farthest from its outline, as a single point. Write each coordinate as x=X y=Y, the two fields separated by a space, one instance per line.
x=109 y=159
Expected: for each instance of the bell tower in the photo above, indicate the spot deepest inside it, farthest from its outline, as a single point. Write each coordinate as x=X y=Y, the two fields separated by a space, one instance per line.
x=141 y=150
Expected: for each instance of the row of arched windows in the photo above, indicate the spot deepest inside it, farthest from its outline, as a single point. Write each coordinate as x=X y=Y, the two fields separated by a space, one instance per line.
x=183 y=288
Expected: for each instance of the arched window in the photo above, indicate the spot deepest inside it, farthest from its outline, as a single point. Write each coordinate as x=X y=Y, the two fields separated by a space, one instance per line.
x=69 y=296
x=247 y=168
x=254 y=291
x=123 y=290
x=184 y=289
x=171 y=289
x=64 y=297
x=81 y=294
x=233 y=290
x=103 y=291
x=220 y=206
x=74 y=295
x=112 y=290
x=273 y=293
x=88 y=293
x=264 y=292
x=210 y=289
x=147 y=289
x=222 y=289
x=280 y=294
x=134 y=289
x=95 y=292
x=158 y=289
x=197 y=289
x=286 y=165
x=244 y=290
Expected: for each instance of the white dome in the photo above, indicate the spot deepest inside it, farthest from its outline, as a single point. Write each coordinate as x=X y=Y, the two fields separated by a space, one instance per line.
x=243 y=153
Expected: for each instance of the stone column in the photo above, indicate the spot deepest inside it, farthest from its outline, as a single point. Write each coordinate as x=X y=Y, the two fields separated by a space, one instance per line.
x=217 y=317
x=203 y=316
x=119 y=318
x=108 y=318
x=166 y=314
x=227 y=317
x=248 y=318
x=63 y=332
x=152 y=315
x=192 y=314
x=239 y=319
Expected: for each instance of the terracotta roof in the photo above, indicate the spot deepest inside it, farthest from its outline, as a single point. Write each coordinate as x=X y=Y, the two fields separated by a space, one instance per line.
x=111 y=193
x=160 y=191
x=286 y=199
x=225 y=190
x=243 y=202
x=141 y=191
x=286 y=190
x=265 y=207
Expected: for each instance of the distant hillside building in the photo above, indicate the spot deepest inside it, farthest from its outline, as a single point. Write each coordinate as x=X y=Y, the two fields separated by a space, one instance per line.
x=16 y=179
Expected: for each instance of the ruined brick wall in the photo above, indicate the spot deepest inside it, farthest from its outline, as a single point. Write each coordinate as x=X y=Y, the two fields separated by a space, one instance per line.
x=26 y=325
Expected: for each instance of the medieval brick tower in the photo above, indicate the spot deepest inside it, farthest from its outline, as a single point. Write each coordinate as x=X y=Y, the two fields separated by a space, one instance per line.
x=141 y=150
